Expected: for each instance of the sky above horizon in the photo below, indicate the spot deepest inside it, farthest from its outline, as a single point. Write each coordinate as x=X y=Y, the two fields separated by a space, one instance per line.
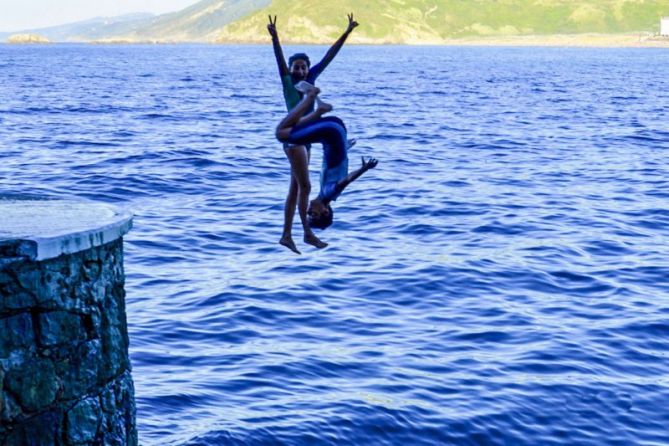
x=17 y=15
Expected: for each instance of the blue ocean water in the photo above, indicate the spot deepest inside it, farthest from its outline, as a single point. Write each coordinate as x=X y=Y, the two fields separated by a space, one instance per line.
x=501 y=278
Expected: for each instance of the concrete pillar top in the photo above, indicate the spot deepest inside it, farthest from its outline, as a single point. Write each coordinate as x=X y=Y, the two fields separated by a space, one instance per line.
x=42 y=229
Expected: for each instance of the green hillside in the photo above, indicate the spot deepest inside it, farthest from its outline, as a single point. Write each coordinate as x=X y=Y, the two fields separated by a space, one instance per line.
x=381 y=21
x=199 y=22
x=432 y=21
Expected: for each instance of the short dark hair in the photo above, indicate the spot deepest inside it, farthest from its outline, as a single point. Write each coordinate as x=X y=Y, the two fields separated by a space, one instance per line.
x=299 y=56
x=323 y=221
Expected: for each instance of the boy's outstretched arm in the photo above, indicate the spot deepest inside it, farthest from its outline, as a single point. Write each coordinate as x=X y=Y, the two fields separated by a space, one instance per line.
x=351 y=177
x=278 y=52
x=334 y=49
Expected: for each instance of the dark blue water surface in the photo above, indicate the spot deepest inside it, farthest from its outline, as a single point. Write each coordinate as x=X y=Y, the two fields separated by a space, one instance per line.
x=501 y=278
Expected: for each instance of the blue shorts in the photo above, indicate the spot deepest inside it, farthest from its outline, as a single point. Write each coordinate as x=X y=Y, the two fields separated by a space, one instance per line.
x=329 y=131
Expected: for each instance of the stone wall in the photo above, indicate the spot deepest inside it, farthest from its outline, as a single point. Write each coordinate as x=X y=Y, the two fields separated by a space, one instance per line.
x=64 y=368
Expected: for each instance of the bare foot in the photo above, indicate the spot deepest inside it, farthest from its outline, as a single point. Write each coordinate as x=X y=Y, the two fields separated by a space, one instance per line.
x=322 y=107
x=315 y=241
x=306 y=88
x=289 y=243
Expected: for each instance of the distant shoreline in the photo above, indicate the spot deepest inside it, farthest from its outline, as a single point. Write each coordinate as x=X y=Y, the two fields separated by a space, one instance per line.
x=623 y=40
x=570 y=40
x=629 y=40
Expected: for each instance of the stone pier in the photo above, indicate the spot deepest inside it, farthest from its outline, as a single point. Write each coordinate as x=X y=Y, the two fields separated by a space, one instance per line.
x=64 y=368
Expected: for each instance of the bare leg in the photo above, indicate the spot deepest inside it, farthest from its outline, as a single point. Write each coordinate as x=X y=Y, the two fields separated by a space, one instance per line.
x=323 y=107
x=299 y=162
x=300 y=186
x=288 y=214
x=296 y=115
x=293 y=117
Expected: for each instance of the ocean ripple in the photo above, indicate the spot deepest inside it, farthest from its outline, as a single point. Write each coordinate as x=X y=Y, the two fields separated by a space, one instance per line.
x=500 y=278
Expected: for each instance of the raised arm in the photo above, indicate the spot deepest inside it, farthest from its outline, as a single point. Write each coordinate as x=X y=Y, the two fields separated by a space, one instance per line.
x=351 y=177
x=334 y=49
x=278 y=52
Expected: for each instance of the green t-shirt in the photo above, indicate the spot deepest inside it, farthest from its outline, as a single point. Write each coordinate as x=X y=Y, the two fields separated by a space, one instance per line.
x=290 y=94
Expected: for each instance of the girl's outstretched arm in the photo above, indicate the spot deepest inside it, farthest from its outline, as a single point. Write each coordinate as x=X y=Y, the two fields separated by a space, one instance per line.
x=351 y=177
x=334 y=49
x=278 y=51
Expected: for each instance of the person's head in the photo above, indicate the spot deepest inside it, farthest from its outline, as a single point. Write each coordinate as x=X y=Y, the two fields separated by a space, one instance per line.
x=298 y=65
x=319 y=215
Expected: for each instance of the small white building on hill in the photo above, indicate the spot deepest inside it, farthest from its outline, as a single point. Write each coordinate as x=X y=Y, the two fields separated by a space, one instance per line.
x=664 y=26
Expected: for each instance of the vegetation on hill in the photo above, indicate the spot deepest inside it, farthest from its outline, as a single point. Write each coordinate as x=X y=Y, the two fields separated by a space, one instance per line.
x=433 y=21
x=200 y=22
x=382 y=21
